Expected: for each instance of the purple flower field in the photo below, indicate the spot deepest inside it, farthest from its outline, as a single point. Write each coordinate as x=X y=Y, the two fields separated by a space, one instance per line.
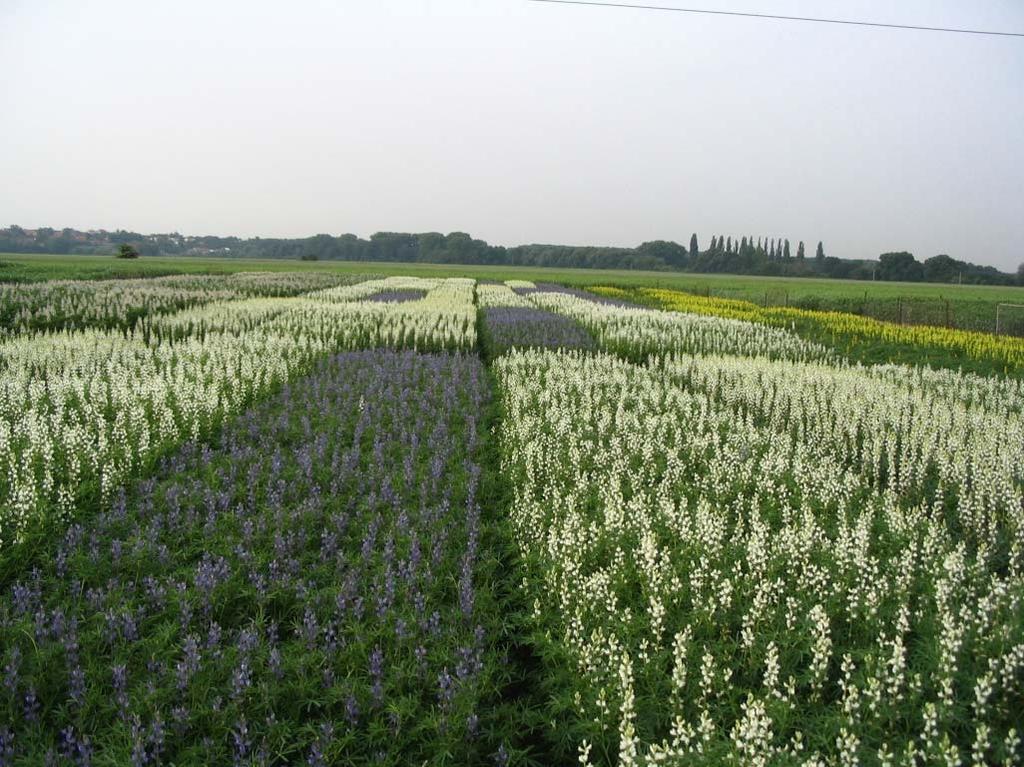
x=517 y=326
x=303 y=590
x=396 y=296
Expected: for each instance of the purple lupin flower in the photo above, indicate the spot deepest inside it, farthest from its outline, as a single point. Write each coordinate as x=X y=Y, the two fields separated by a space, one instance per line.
x=190 y=663
x=30 y=705
x=76 y=684
x=11 y=669
x=241 y=745
x=310 y=628
x=120 y=674
x=241 y=679
x=139 y=756
x=377 y=675
x=320 y=748
x=501 y=758
x=352 y=710
x=6 y=746
x=446 y=688
x=274 y=663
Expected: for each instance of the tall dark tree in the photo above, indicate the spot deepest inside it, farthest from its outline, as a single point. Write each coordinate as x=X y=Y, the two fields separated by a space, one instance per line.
x=900 y=266
x=800 y=250
x=942 y=268
x=785 y=253
x=694 y=250
x=728 y=244
x=671 y=253
x=820 y=255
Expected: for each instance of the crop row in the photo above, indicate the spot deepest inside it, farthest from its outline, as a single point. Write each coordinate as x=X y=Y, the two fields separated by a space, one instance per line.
x=757 y=567
x=851 y=332
x=304 y=589
x=120 y=304
x=636 y=333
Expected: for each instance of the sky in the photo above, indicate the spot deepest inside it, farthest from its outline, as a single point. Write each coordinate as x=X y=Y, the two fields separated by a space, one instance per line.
x=519 y=122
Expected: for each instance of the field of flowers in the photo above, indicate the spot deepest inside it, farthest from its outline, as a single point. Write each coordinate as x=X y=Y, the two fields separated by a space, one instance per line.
x=270 y=519
x=860 y=338
x=304 y=587
x=71 y=304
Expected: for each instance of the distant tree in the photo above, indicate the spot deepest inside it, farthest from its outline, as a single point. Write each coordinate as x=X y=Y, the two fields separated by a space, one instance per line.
x=902 y=267
x=694 y=250
x=127 y=251
x=1020 y=274
x=785 y=252
x=942 y=268
x=800 y=250
x=672 y=253
x=820 y=255
x=728 y=244
x=309 y=257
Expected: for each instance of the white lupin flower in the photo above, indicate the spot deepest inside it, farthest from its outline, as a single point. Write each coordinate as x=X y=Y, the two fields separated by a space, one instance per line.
x=774 y=496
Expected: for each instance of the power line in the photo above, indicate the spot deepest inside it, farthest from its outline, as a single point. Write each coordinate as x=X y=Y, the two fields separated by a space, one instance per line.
x=783 y=18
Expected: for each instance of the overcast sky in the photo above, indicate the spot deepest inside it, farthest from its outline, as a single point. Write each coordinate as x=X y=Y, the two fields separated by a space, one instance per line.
x=519 y=122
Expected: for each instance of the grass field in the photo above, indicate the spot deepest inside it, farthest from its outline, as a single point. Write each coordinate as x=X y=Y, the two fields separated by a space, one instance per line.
x=970 y=307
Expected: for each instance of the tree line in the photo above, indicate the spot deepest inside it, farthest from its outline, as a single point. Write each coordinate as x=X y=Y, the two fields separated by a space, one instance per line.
x=768 y=256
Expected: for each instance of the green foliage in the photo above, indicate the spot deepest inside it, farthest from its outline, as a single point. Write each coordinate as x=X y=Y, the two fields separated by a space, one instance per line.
x=902 y=267
x=127 y=251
